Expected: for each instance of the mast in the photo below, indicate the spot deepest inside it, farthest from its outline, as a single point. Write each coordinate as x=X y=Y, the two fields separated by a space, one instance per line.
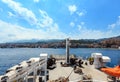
x=67 y=50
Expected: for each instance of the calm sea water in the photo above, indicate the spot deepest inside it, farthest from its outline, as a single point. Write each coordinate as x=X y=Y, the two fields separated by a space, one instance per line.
x=12 y=56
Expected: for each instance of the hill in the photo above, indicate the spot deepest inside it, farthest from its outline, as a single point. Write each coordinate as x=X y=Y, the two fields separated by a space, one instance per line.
x=113 y=42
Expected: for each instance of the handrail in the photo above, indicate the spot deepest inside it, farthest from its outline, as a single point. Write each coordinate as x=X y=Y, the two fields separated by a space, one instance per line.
x=22 y=72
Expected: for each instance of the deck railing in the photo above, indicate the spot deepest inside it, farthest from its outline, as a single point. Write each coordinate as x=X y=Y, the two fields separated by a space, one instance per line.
x=23 y=72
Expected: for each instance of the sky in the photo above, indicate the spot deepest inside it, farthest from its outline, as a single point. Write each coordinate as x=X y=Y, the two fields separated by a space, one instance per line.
x=58 y=19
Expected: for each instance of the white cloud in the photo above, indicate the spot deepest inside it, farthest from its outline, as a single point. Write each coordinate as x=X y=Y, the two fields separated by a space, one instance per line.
x=86 y=33
x=45 y=20
x=82 y=13
x=72 y=24
x=112 y=26
x=27 y=14
x=10 y=32
x=89 y=33
x=118 y=21
x=53 y=28
x=79 y=27
x=10 y=14
x=115 y=25
x=72 y=9
x=36 y=1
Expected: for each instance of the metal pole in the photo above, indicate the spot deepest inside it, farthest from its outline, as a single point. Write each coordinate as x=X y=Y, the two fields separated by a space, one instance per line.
x=46 y=69
x=45 y=65
x=34 y=77
x=67 y=50
x=26 y=77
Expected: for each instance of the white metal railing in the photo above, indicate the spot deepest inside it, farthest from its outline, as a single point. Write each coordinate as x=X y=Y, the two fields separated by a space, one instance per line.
x=21 y=73
x=29 y=70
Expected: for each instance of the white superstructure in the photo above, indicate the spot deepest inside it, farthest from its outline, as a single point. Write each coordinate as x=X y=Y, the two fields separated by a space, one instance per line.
x=100 y=60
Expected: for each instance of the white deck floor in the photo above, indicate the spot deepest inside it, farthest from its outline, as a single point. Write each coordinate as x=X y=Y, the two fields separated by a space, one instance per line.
x=59 y=71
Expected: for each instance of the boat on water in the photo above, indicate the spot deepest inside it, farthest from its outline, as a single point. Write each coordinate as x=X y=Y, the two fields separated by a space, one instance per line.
x=119 y=48
x=59 y=69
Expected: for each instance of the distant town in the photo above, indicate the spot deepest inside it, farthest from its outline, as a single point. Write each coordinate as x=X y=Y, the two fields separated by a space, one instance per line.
x=113 y=42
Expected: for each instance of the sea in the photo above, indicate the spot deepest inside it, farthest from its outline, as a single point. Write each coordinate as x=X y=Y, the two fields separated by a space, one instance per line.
x=12 y=56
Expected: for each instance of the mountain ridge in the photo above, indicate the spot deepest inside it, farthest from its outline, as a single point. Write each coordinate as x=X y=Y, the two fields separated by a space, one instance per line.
x=112 y=42
x=53 y=40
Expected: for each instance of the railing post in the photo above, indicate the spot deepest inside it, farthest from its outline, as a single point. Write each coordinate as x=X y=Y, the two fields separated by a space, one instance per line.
x=44 y=56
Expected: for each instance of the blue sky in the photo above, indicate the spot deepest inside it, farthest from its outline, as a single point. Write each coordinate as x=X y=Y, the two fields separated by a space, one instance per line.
x=58 y=19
